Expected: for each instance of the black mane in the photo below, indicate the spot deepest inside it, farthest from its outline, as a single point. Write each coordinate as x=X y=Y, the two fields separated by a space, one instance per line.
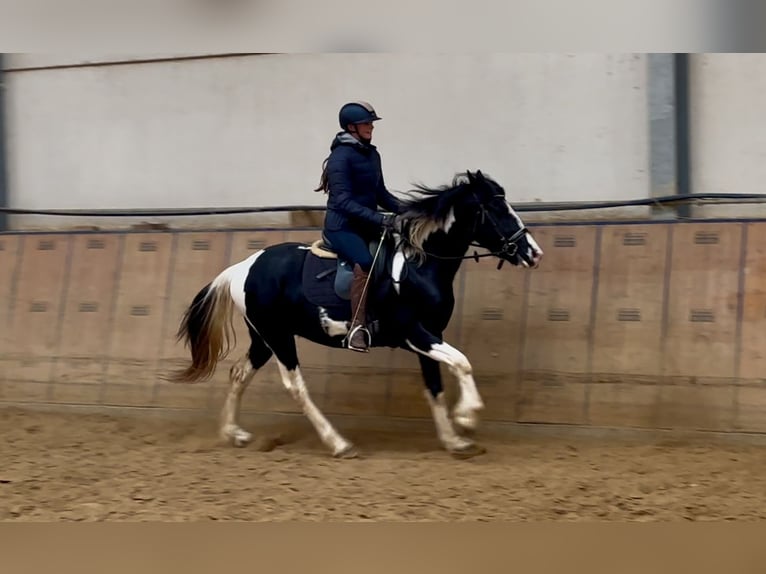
x=434 y=203
x=428 y=208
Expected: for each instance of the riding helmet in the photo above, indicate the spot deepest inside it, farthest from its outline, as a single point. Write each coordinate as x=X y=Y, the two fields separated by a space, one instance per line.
x=356 y=113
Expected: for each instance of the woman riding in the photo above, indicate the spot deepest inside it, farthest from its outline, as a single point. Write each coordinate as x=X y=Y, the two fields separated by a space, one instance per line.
x=353 y=179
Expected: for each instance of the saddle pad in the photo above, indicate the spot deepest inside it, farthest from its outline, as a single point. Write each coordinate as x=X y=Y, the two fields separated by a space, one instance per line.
x=321 y=291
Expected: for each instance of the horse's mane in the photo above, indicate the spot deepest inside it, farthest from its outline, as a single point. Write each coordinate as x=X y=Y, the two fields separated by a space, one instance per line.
x=428 y=209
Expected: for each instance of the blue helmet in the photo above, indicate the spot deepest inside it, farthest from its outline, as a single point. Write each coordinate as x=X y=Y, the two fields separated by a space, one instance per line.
x=356 y=113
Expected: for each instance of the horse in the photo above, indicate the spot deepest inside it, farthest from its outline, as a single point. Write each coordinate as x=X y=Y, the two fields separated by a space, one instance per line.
x=292 y=289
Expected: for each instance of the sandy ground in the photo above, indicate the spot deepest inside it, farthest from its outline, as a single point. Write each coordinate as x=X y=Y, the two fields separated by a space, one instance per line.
x=74 y=466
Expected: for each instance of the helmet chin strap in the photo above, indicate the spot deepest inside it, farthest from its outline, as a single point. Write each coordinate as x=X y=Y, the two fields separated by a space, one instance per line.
x=352 y=130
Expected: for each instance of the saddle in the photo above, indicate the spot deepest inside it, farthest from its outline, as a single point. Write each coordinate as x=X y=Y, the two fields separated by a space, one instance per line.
x=327 y=277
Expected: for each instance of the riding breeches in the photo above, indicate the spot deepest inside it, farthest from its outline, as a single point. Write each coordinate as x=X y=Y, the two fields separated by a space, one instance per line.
x=351 y=247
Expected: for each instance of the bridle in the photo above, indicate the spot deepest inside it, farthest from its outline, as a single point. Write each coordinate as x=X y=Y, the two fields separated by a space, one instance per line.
x=509 y=245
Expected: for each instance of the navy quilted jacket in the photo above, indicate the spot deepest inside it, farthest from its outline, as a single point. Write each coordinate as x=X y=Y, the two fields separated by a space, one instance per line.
x=356 y=187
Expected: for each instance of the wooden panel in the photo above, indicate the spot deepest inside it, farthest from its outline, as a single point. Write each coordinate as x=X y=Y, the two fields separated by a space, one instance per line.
x=355 y=382
x=36 y=317
x=628 y=329
x=197 y=260
x=139 y=312
x=359 y=390
x=491 y=323
x=245 y=243
x=405 y=393
x=87 y=325
x=697 y=407
x=558 y=398
x=751 y=409
x=625 y=404
x=556 y=341
x=541 y=330
x=700 y=343
x=558 y=316
x=10 y=259
x=628 y=341
x=753 y=359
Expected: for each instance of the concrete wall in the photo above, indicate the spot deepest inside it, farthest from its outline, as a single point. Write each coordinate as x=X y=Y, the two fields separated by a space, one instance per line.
x=254 y=130
x=728 y=135
x=657 y=325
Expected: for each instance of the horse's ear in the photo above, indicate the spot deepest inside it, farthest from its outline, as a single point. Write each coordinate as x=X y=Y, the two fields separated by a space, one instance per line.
x=470 y=175
x=479 y=175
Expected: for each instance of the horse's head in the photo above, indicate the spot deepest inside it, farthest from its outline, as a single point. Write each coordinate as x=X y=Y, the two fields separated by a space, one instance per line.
x=497 y=227
x=443 y=221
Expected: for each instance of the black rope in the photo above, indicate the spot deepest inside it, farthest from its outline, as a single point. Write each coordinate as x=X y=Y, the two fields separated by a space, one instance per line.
x=671 y=200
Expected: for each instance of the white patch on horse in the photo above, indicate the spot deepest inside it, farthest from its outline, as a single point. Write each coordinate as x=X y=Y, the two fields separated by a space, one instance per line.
x=293 y=382
x=236 y=275
x=449 y=221
x=444 y=429
x=396 y=269
x=240 y=375
x=421 y=229
x=330 y=326
x=470 y=400
x=534 y=251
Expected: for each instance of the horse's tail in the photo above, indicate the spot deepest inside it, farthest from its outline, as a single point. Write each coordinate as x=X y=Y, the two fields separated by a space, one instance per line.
x=207 y=328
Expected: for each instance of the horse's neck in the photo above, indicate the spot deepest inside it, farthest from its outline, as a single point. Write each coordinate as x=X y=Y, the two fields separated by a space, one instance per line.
x=449 y=252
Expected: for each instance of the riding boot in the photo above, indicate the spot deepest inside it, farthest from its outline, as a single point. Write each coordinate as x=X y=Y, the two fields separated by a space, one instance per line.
x=359 y=335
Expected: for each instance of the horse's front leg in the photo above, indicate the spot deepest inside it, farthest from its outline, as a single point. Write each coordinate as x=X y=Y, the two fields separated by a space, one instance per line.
x=469 y=403
x=433 y=350
x=466 y=410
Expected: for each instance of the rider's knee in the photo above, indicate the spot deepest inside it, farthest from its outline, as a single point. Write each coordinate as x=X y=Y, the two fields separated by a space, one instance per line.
x=365 y=264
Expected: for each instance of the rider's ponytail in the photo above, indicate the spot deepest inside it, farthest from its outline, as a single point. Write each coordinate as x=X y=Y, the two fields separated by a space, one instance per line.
x=324 y=185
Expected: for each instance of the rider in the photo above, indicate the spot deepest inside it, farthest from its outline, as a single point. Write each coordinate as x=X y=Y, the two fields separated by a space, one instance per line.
x=353 y=179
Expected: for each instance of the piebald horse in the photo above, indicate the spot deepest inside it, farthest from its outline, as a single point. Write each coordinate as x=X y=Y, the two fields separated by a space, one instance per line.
x=290 y=290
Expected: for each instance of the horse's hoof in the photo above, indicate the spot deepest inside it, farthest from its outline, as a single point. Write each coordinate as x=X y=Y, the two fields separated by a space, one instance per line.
x=348 y=452
x=468 y=451
x=238 y=437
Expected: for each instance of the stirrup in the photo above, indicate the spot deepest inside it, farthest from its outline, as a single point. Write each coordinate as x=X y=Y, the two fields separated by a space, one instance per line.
x=351 y=335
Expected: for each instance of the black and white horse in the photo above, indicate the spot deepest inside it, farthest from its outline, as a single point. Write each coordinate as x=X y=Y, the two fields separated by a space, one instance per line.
x=292 y=289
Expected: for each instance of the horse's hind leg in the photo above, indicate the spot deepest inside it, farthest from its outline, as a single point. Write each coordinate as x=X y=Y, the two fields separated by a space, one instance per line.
x=240 y=375
x=283 y=345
